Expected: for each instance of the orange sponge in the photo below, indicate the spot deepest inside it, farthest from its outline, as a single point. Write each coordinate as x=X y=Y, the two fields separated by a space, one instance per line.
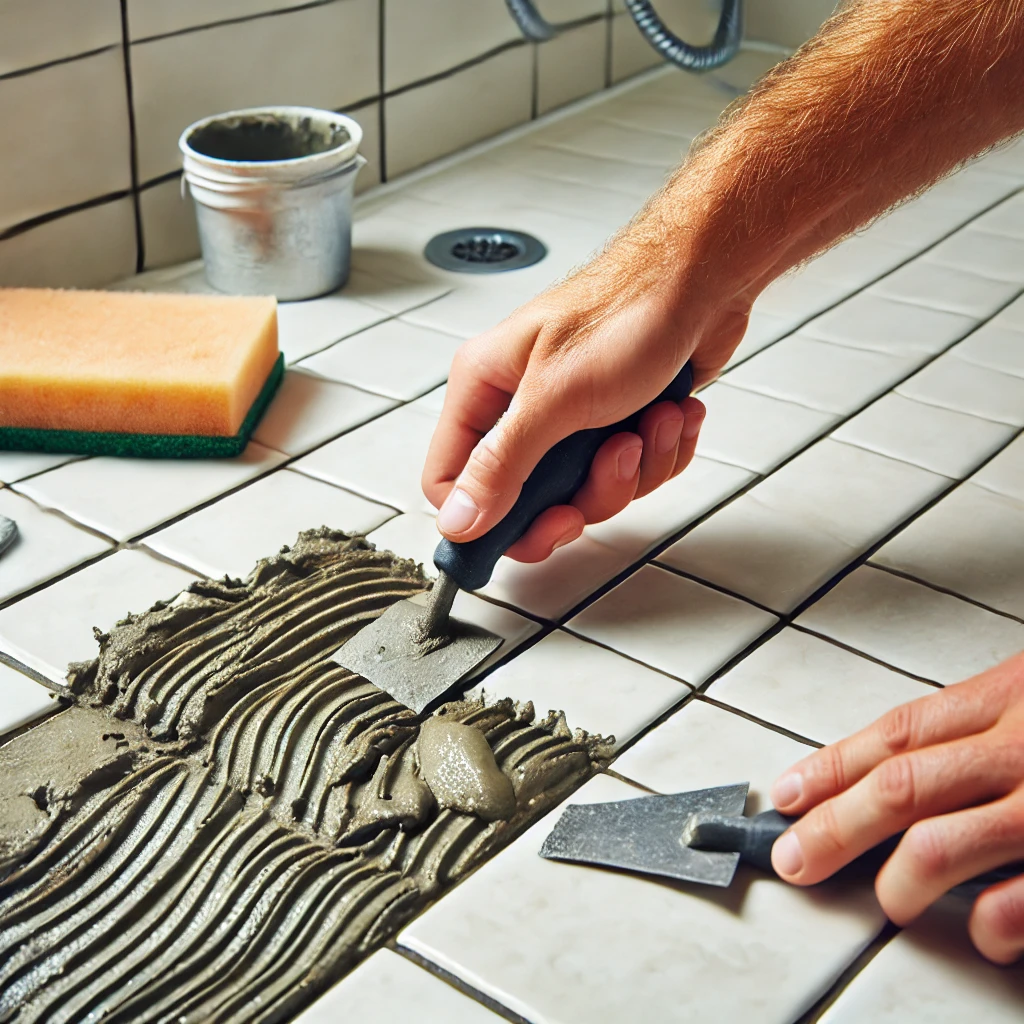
x=133 y=363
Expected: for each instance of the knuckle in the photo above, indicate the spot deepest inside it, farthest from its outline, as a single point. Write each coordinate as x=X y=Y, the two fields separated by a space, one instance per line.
x=897 y=728
x=487 y=464
x=896 y=785
x=1002 y=914
x=831 y=770
x=927 y=851
x=829 y=834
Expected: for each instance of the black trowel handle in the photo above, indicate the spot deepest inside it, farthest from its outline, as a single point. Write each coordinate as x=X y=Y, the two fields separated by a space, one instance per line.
x=753 y=838
x=558 y=476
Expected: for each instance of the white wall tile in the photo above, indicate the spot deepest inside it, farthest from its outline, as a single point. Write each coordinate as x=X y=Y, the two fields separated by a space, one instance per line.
x=813 y=688
x=912 y=627
x=476 y=103
x=231 y=535
x=98 y=596
x=47 y=131
x=38 y=31
x=157 y=17
x=321 y=56
x=787 y=24
x=169 y=232
x=22 y=700
x=672 y=623
x=571 y=66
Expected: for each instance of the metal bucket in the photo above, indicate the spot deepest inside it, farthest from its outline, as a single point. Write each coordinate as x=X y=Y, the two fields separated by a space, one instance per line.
x=273 y=198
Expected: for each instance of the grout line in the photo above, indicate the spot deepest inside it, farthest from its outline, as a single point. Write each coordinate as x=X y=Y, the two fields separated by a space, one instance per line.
x=887 y=455
x=191 y=29
x=647 y=729
x=611 y=773
x=381 y=69
x=57 y=62
x=45 y=218
x=782 y=730
x=535 y=82
x=629 y=657
x=608 y=22
x=140 y=241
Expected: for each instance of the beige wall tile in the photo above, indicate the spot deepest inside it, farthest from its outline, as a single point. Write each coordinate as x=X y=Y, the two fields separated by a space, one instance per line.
x=169 y=233
x=58 y=150
x=323 y=56
x=424 y=39
x=571 y=65
x=156 y=17
x=631 y=53
x=87 y=249
x=436 y=119
x=787 y=23
x=37 y=31
x=559 y=11
x=369 y=120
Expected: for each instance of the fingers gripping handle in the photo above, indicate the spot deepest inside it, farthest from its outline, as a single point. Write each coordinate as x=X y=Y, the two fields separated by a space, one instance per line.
x=557 y=477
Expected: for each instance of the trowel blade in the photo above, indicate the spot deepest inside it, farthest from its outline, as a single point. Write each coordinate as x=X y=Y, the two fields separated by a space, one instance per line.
x=387 y=653
x=646 y=835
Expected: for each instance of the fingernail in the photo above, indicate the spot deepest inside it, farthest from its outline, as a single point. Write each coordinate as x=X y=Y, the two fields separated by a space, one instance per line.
x=787 y=857
x=629 y=462
x=667 y=436
x=458 y=513
x=788 y=790
x=691 y=425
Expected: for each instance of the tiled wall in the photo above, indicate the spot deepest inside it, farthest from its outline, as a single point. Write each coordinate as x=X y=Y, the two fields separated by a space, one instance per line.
x=94 y=94
x=786 y=22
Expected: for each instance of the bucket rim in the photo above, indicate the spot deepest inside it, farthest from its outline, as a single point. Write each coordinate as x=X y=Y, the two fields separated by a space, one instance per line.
x=310 y=164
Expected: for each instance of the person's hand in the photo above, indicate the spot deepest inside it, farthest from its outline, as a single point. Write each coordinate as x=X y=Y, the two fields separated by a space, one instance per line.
x=586 y=353
x=948 y=768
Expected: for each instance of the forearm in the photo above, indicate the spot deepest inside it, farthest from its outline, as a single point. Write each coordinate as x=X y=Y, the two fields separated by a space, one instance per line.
x=889 y=97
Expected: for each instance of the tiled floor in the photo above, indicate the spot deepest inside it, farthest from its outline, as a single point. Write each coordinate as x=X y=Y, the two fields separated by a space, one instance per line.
x=848 y=538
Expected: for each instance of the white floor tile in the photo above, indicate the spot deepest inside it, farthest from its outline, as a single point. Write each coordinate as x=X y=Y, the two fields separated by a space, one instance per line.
x=672 y=623
x=22 y=700
x=944 y=441
x=392 y=294
x=831 y=378
x=995 y=256
x=395 y=359
x=1012 y=315
x=794 y=531
x=800 y=294
x=306 y=327
x=1006 y=219
x=971 y=542
x=98 y=596
x=931 y=973
x=912 y=627
x=879 y=324
x=46 y=546
x=755 y=431
x=1005 y=473
x=382 y=460
x=599 y=690
x=996 y=347
x=388 y=987
x=229 y=536
x=432 y=402
x=937 y=287
x=125 y=497
x=567 y=943
x=953 y=383
x=857 y=261
x=762 y=330
x=308 y=410
x=15 y=466
x=411 y=535
x=813 y=688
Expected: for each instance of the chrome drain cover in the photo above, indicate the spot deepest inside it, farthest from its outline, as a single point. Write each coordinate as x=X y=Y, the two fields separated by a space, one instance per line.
x=484 y=250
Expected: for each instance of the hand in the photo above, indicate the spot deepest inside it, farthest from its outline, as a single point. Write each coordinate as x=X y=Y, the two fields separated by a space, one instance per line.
x=948 y=768
x=587 y=353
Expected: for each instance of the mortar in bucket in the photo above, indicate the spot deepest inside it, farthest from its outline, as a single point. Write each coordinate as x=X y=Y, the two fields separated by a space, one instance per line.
x=273 y=198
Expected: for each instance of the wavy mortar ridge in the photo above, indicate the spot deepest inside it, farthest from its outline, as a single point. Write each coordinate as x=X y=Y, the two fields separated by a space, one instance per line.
x=226 y=820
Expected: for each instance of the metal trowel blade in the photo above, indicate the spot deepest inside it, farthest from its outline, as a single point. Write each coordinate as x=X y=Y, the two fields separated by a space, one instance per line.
x=646 y=835
x=387 y=653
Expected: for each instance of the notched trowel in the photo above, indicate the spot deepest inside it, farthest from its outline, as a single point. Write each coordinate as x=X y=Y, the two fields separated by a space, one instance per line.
x=416 y=652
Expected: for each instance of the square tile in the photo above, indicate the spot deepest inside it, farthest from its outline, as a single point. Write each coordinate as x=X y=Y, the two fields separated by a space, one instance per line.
x=323 y=55
x=762 y=330
x=599 y=690
x=382 y=459
x=229 y=536
x=396 y=359
x=1006 y=219
x=631 y=53
x=40 y=31
x=85 y=249
x=412 y=535
x=996 y=347
x=954 y=383
x=99 y=595
x=789 y=535
x=308 y=410
x=571 y=65
x=169 y=231
x=910 y=626
x=22 y=700
x=1005 y=473
x=879 y=324
x=672 y=624
x=605 y=140
x=367 y=116
x=125 y=497
x=755 y=431
x=942 y=440
x=800 y=293
x=46 y=546
x=918 y=223
x=307 y=327
x=567 y=943
x=16 y=466
x=655 y=114
x=996 y=256
x=156 y=18
x=392 y=294
x=938 y=287
x=813 y=688
x=480 y=101
x=386 y=987
x=830 y=378
x=931 y=972
x=857 y=261
x=93 y=138
x=972 y=543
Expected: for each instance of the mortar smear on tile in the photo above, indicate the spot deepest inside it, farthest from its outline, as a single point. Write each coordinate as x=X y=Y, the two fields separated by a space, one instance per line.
x=227 y=820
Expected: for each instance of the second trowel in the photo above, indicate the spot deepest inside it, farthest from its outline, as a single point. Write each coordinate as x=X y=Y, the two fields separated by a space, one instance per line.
x=415 y=651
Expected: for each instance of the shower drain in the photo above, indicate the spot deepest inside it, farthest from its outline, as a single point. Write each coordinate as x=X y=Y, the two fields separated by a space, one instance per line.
x=484 y=250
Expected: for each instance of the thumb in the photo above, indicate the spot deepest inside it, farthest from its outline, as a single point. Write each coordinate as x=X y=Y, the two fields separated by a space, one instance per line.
x=503 y=458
